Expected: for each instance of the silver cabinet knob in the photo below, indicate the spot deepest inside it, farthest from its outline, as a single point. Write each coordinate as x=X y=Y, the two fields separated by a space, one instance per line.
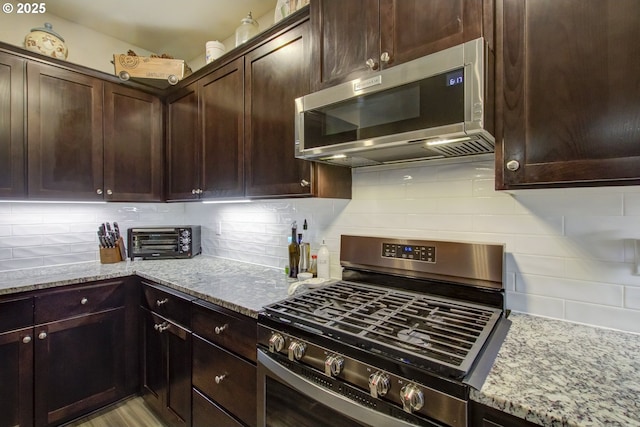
x=99 y=191
x=83 y=301
x=161 y=302
x=42 y=335
x=412 y=398
x=161 y=327
x=194 y=191
x=373 y=65
x=379 y=384
x=220 y=329
x=26 y=339
x=304 y=183
x=109 y=192
x=385 y=57
x=218 y=379
x=513 y=165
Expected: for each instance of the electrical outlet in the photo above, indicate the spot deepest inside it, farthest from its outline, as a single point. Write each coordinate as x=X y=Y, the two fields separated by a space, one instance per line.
x=219 y=228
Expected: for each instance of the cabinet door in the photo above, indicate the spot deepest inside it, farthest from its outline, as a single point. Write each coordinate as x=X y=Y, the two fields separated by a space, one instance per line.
x=276 y=74
x=221 y=96
x=410 y=29
x=166 y=368
x=133 y=152
x=183 y=145
x=16 y=377
x=79 y=365
x=346 y=35
x=12 y=147
x=571 y=91
x=64 y=131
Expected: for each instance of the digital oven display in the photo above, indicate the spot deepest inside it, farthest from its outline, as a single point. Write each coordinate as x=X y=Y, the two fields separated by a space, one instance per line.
x=409 y=252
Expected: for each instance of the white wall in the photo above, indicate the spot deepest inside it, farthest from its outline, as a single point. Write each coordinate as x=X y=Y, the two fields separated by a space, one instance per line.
x=86 y=46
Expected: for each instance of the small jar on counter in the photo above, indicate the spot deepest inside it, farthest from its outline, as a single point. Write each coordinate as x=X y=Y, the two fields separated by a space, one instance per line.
x=313 y=267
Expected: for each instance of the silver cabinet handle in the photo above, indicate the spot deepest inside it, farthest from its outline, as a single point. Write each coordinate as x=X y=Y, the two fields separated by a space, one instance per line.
x=26 y=339
x=194 y=191
x=162 y=302
x=83 y=301
x=220 y=329
x=42 y=335
x=513 y=165
x=109 y=192
x=161 y=327
x=304 y=183
x=373 y=65
x=99 y=191
x=219 y=378
x=385 y=57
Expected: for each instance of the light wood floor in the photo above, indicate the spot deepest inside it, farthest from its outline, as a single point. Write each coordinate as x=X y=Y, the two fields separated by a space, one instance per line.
x=131 y=412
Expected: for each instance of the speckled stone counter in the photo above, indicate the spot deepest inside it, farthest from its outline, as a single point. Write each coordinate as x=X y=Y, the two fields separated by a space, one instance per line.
x=239 y=286
x=555 y=373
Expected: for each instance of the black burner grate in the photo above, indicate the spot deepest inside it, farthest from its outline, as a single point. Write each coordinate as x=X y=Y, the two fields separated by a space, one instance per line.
x=423 y=330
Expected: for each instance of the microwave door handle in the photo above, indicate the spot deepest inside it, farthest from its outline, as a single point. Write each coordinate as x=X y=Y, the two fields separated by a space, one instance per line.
x=328 y=398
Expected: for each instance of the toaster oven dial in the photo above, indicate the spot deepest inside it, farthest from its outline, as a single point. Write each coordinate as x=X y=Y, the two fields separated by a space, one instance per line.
x=296 y=350
x=379 y=384
x=276 y=343
x=333 y=365
x=412 y=398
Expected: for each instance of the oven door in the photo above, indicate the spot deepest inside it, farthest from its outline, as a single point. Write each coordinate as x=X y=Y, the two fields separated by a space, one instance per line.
x=286 y=399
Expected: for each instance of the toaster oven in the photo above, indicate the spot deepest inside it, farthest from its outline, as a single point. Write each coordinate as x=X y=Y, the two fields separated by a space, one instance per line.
x=164 y=242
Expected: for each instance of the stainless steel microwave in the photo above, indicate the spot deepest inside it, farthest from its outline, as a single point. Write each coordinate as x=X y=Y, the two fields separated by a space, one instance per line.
x=437 y=106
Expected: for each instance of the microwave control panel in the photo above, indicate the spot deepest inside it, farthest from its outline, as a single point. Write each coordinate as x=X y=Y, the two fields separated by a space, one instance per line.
x=409 y=252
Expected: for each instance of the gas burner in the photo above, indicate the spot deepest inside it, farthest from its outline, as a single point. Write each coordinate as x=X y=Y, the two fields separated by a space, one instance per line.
x=414 y=337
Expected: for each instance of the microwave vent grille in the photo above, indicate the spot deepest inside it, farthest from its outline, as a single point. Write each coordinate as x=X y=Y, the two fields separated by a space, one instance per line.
x=464 y=148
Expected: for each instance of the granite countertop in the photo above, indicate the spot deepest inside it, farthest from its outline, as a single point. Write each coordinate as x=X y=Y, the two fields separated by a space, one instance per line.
x=239 y=286
x=556 y=373
x=549 y=372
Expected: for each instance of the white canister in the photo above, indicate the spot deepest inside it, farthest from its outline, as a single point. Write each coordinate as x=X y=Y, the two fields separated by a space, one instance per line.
x=214 y=50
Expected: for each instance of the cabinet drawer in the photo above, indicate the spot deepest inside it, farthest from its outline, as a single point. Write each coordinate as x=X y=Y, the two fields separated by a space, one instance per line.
x=226 y=328
x=16 y=313
x=77 y=301
x=226 y=379
x=208 y=414
x=172 y=304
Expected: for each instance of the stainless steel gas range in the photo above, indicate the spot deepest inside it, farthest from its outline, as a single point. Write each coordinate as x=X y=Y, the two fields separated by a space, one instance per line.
x=398 y=342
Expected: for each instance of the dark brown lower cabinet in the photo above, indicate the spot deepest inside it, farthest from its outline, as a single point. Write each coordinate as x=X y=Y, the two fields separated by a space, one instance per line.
x=166 y=368
x=207 y=413
x=16 y=378
x=79 y=365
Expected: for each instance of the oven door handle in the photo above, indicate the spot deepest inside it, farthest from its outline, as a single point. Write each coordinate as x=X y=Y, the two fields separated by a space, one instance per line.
x=328 y=398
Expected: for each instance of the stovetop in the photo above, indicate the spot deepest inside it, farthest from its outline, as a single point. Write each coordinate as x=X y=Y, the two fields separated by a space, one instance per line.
x=424 y=331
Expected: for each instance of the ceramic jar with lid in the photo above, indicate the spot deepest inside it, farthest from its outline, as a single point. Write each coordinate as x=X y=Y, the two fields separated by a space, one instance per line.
x=47 y=42
x=214 y=50
x=247 y=29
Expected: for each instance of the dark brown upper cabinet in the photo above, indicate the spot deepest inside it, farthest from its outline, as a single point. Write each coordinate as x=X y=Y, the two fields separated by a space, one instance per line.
x=133 y=145
x=64 y=133
x=568 y=73
x=12 y=142
x=357 y=37
x=206 y=136
x=183 y=143
x=276 y=73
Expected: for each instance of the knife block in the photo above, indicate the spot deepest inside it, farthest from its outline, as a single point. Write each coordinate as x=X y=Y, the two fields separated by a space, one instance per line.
x=113 y=255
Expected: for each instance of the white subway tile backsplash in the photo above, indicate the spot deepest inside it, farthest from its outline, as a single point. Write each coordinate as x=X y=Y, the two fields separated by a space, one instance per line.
x=568 y=251
x=567 y=289
x=609 y=317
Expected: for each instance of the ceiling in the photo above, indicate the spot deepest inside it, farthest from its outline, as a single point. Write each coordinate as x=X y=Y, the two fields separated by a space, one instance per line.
x=179 y=29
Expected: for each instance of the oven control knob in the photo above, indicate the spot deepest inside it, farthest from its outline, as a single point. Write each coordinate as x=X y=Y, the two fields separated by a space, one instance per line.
x=412 y=398
x=296 y=350
x=379 y=384
x=333 y=365
x=276 y=343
